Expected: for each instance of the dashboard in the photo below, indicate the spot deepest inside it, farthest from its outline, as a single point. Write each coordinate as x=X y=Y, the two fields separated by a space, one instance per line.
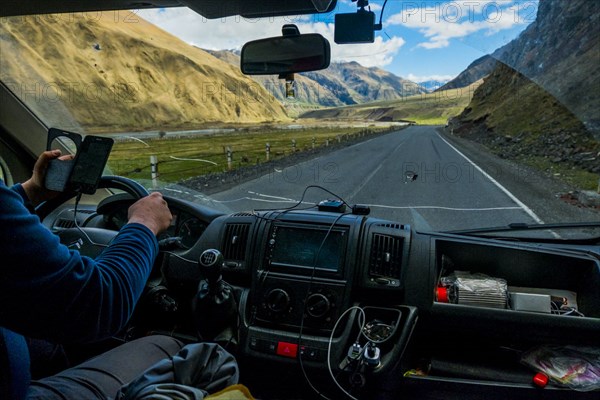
x=307 y=284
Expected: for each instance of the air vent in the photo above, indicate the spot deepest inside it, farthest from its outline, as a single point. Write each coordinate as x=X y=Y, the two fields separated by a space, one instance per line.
x=392 y=226
x=236 y=238
x=243 y=214
x=386 y=256
x=63 y=223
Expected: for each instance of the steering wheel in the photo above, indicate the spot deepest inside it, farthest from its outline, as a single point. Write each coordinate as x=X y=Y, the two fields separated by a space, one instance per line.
x=106 y=182
x=91 y=241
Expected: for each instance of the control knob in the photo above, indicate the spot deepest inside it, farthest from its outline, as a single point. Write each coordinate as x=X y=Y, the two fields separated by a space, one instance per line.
x=278 y=301
x=317 y=305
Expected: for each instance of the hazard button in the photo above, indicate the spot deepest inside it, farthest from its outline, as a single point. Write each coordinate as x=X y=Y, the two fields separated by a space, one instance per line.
x=287 y=349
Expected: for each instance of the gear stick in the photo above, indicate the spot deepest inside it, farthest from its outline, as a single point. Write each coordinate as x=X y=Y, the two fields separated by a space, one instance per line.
x=214 y=304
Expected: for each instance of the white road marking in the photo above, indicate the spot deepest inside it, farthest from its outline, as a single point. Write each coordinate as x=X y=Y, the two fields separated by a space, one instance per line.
x=522 y=205
x=444 y=208
x=261 y=200
x=271 y=197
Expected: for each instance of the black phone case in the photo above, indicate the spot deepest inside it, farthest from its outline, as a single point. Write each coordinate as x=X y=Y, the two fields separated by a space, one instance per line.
x=59 y=171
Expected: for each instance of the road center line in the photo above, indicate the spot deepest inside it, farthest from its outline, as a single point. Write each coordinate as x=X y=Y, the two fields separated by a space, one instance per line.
x=528 y=210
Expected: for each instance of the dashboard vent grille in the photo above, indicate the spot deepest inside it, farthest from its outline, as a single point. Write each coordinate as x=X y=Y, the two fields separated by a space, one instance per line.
x=63 y=223
x=386 y=256
x=236 y=238
x=243 y=214
x=392 y=226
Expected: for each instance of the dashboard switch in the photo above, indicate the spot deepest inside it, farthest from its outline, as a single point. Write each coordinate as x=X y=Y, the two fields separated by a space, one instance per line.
x=287 y=349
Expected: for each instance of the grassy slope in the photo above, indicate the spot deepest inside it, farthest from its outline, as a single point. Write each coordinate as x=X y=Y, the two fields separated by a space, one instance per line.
x=141 y=78
x=429 y=109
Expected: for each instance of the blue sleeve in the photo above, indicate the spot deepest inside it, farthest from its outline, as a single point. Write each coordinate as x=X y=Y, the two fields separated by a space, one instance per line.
x=51 y=292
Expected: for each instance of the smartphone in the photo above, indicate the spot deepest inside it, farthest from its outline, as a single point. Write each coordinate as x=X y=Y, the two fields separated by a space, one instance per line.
x=90 y=161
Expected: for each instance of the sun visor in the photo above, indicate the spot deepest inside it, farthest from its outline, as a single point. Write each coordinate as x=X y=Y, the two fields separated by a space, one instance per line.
x=212 y=9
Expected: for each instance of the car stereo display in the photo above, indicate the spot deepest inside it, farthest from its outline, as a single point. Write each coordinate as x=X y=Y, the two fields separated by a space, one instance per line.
x=292 y=246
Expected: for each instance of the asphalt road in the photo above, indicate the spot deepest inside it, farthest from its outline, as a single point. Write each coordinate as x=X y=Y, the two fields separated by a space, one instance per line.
x=449 y=192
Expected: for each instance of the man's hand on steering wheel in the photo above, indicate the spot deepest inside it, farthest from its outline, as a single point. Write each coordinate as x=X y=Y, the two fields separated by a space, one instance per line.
x=151 y=211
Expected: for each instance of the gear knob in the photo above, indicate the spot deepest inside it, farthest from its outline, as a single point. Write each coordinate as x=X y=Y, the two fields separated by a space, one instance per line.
x=211 y=262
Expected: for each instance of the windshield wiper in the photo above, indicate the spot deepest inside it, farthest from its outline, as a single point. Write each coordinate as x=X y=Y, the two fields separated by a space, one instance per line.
x=519 y=226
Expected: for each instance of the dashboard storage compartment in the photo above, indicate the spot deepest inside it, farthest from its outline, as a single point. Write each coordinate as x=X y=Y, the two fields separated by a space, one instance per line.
x=521 y=296
x=547 y=282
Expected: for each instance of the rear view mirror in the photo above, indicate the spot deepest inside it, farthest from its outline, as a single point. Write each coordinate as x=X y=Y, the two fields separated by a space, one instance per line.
x=284 y=55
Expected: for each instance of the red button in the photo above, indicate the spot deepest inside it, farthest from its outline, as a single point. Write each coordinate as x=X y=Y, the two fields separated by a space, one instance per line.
x=442 y=295
x=287 y=349
x=540 y=380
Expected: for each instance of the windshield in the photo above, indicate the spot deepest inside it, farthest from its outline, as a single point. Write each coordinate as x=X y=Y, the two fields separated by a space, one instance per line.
x=461 y=115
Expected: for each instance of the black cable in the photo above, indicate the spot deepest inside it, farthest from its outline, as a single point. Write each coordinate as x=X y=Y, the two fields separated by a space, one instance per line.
x=284 y=211
x=77 y=199
x=381 y=14
x=310 y=282
x=302 y=199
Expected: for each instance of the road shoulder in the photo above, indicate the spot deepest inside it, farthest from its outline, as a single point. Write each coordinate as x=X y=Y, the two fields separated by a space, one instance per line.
x=534 y=188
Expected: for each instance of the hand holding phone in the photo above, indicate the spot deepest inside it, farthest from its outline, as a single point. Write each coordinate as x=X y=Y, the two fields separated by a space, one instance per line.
x=81 y=174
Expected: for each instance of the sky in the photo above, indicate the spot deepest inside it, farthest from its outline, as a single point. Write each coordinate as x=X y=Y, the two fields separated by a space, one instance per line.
x=420 y=40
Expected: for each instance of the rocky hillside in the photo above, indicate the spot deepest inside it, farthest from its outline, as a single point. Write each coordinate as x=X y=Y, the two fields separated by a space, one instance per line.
x=560 y=51
x=341 y=84
x=478 y=69
x=541 y=106
x=102 y=75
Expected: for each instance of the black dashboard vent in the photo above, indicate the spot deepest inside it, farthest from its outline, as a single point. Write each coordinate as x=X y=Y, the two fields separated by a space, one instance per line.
x=392 y=226
x=234 y=244
x=63 y=223
x=386 y=256
x=243 y=214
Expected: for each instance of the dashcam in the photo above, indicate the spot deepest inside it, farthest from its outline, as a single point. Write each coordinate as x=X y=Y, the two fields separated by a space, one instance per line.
x=356 y=27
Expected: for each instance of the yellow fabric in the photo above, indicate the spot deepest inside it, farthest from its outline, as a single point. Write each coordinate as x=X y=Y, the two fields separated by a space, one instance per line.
x=233 y=392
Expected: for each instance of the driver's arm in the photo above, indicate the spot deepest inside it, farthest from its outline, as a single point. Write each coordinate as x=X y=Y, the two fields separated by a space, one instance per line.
x=49 y=291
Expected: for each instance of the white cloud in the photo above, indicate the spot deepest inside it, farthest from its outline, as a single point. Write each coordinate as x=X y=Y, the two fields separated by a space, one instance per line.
x=425 y=78
x=444 y=21
x=377 y=54
x=233 y=32
x=213 y=34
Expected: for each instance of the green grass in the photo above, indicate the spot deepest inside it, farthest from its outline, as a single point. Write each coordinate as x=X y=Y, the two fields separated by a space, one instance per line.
x=131 y=158
x=581 y=179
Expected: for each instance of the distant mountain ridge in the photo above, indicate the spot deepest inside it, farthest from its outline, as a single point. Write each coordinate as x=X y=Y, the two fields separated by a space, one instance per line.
x=478 y=69
x=343 y=83
x=433 y=85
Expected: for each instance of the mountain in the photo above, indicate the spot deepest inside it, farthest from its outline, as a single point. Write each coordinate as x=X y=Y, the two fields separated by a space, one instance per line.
x=427 y=109
x=365 y=84
x=104 y=76
x=342 y=83
x=433 y=85
x=540 y=104
x=560 y=51
x=477 y=70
